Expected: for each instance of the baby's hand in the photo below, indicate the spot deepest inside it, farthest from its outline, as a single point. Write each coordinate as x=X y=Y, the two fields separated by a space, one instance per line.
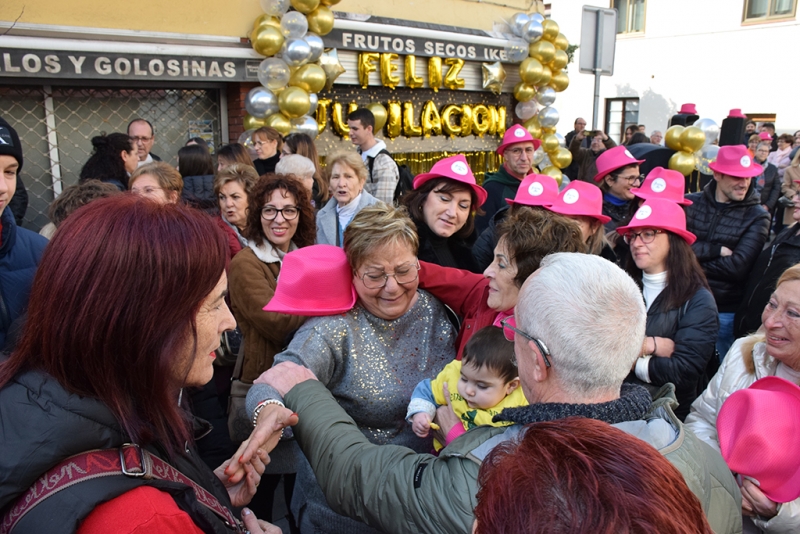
x=421 y=424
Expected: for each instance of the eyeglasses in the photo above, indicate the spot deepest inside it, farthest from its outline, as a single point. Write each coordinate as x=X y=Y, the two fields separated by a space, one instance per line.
x=509 y=330
x=268 y=213
x=262 y=143
x=147 y=191
x=634 y=180
x=140 y=139
x=517 y=152
x=647 y=236
x=404 y=274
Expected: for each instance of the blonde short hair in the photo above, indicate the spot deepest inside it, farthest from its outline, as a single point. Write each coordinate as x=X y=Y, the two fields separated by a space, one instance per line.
x=167 y=176
x=375 y=227
x=352 y=160
x=246 y=175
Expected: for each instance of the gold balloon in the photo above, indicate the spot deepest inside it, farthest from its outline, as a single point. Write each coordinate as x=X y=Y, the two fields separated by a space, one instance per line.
x=340 y=120
x=267 y=20
x=481 y=119
x=555 y=172
x=493 y=76
x=447 y=125
x=501 y=120
x=395 y=121
x=451 y=80
x=268 y=40
x=524 y=92
x=294 y=102
x=304 y=6
x=409 y=128
x=279 y=122
x=548 y=130
x=495 y=120
x=561 y=158
x=387 y=68
x=549 y=30
x=559 y=81
x=380 y=114
x=549 y=142
x=560 y=60
x=412 y=80
x=683 y=162
x=329 y=2
x=310 y=77
x=692 y=139
x=320 y=21
x=466 y=120
x=544 y=51
x=561 y=42
x=532 y=125
x=431 y=121
x=435 y=73
x=251 y=123
x=672 y=137
x=547 y=75
x=329 y=61
x=530 y=71
x=366 y=64
x=322 y=113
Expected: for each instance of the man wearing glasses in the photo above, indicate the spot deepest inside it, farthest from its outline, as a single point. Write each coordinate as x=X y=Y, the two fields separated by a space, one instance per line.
x=578 y=328
x=141 y=131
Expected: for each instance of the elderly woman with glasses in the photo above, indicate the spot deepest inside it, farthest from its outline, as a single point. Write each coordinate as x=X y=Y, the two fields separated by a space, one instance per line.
x=372 y=356
x=617 y=174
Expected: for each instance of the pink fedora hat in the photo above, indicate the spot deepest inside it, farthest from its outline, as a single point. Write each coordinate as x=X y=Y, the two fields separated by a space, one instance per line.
x=759 y=433
x=661 y=214
x=612 y=159
x=688 y=109
x=735 y=160
x=314 y=281
x=536 y=190
x=517 y=134
x=736 y=113
x=581 y=198
x=454 y=168
x=764 y=136
x=663 y=183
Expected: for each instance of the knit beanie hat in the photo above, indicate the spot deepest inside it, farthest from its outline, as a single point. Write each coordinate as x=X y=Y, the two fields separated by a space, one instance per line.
x=9 y=142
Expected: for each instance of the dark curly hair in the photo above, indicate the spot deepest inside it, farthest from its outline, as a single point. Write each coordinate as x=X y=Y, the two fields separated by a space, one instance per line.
x=105 y=163
x=306 y=233
x=414 y=201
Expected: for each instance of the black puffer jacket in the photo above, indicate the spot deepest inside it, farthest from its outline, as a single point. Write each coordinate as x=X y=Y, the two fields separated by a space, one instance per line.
x=740 y=226
x=620 y=215
x=779 y=256
x=693 y=327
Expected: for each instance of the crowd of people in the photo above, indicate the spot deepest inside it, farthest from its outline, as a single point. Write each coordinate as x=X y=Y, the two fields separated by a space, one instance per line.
x=520 y=355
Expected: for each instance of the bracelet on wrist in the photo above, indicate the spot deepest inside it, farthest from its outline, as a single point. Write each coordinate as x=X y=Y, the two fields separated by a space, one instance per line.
x=260 y=406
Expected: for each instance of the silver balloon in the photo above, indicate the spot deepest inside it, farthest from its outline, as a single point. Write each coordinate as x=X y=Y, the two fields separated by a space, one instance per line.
x=297 y=52
x=273 y=73
x=561 y=140
x=548 y=117
x=517 y=23
x=538 y=17
x=526 y=110
x=532 y=31
x=538 y=156
x=247 y=138
x=276 y=8
x=545 y=96
x=306 y=125
x=294 y=25
x=516 y=50
x=710 y=129
x=261 y=102
x=564 y=182
x=545 y=161
x=704 y=156
x=315 y=42
x=314 y=103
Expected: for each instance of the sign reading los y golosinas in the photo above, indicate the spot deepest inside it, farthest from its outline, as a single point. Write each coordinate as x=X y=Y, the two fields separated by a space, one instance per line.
x=92 y=65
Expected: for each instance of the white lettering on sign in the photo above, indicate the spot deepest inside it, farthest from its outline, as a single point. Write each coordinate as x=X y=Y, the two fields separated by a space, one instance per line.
x=78 y=63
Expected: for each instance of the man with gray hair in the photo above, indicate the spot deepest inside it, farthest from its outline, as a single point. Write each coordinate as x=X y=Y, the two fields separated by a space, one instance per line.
x=300 y=166
x=580 y=323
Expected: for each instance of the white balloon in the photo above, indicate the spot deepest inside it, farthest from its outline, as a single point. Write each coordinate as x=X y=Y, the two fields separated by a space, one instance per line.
x=517 y=23
x=261 y=102
x=538 y=17
x=548 y=117
x=276 y=8
x=516 y=50
x=545 y=161
x=545 y=96
x=247 y=138
x=317 y=47
x=532 y=31
x=297 y=52
x=526 y=110
x=314 y=103
x=704 y=156
x=709 y=128
x=538 y=156
x=294 y=25
x=273 y=73
x=306 y=125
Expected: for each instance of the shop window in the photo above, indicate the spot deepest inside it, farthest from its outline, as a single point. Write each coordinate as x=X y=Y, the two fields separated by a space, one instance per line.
x=630 y=15
x=620 y=113
x=764 y=10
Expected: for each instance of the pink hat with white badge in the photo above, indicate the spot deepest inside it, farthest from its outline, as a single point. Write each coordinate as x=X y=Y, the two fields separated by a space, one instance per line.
x=663 y=183
x=454 y=168
x=764 y=136
x=759 y=434
x=613 y=159
x=517 y=134
x=736 y=161
x=581 y=199
x=660 y=214
x=314 y=281
x=536 y=190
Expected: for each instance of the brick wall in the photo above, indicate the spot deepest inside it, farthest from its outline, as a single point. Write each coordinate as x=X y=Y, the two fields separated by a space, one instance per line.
x=237 y=92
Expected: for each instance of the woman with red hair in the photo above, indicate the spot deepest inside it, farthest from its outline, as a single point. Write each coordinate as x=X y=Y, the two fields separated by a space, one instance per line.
x=95 y=387
x=583 y=476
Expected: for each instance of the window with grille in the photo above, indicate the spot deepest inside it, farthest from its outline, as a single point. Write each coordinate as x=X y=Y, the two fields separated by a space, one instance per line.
x=56 y=126
x=764 y=10
x=621 y=113
x=630 y=15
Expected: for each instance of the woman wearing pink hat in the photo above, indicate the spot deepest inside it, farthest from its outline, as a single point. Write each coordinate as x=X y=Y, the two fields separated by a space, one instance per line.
x=773 y=351
x=442 y=206
x=681 y=314
x=617 y=174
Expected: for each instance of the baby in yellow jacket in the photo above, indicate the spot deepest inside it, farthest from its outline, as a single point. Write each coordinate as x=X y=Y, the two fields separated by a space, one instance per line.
x=487 y=383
